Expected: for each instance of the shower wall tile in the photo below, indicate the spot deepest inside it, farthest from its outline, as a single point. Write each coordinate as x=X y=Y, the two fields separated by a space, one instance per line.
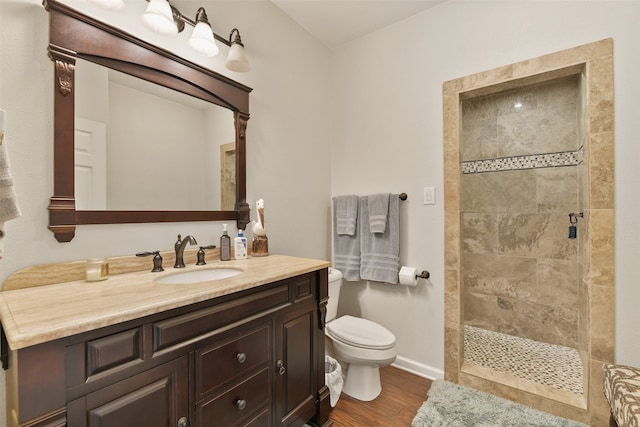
x=501 y=276
x=517 y=134
x=558 y=283
x=480 y=80
x=600 y=71
x=451 y=180
x=451 y=126
x=601 y=250
x=452 y=239
x=516 y=100
x=602 y=333
x=481 y=109
x=480 y=233
x=512 y=316
x=547 y=323
x=508 y=191
x=583 y=319
x=560 y=95
x=536 y=235
x=557 y=130
x=601 y=167
x=452 y=300
x=452 y=353
x=557 y=189
x=480 y=139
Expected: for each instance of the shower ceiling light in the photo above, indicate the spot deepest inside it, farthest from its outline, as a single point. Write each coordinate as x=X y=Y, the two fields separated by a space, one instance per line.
x=163 y=18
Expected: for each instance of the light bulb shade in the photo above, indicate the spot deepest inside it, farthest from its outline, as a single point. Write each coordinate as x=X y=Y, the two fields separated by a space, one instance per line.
x=159 y=17
x=236 y=59
x=109 y=4
x=202 y=40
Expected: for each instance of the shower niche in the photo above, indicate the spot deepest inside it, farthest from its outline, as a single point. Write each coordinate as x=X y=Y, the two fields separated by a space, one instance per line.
x=529 y=300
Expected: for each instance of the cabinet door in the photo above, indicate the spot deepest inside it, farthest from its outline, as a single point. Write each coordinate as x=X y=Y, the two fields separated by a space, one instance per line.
x=294 y=371
x=157 y=397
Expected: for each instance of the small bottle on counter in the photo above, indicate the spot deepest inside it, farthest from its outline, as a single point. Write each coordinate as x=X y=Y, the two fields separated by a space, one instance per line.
x=225 y=244
x=97 y=269
x=240 y=246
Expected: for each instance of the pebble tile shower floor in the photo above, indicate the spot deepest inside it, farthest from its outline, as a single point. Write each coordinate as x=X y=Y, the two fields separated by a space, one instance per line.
x=552 y=365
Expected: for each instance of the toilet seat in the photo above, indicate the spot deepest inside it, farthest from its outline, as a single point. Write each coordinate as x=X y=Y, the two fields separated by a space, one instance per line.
x=361 y=333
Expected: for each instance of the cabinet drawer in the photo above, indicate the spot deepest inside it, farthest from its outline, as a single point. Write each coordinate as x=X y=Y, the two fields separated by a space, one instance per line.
x=224 y=362
x=113 y=351
x=172 y=332
x=236 y=404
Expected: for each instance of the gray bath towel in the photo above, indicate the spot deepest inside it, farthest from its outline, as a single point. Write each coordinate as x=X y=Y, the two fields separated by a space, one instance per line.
x=346 y=208
x=380 y=252
x=346 y=248
x=378 y=209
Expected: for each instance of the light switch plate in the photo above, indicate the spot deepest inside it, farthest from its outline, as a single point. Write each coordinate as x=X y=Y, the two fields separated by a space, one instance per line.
x=429 y=196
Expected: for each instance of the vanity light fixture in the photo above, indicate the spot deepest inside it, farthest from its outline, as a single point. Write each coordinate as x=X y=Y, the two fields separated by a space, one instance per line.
x=202 y=39
x=163 y=18
x=236 y=60
x=159 y=17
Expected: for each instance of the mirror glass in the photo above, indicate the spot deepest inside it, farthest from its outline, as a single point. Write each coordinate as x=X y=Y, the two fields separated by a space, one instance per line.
x=142 y=146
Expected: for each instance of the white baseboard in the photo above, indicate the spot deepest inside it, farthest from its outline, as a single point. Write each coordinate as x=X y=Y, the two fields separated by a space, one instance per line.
x=417 y=368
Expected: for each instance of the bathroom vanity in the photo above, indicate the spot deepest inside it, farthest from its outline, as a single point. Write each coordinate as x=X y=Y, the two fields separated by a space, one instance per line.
x=246 y=350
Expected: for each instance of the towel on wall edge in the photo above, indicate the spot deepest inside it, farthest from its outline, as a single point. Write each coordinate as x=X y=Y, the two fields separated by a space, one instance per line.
x=8 y=205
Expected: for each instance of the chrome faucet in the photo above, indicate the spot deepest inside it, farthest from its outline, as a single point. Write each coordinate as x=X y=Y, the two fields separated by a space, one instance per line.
x=179 y=246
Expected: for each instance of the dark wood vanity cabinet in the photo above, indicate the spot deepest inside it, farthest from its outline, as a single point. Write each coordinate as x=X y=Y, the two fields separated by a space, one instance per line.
x=253 y=358
x=157 y=397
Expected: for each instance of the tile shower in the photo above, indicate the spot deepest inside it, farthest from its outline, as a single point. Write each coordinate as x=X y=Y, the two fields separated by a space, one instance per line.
x=529 y=311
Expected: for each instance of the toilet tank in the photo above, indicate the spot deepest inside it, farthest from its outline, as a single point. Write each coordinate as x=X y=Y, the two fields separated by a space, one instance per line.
x=335 y=281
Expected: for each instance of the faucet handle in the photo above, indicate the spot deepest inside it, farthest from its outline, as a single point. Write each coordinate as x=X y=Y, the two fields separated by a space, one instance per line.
x=201 y=254
x=157 y=260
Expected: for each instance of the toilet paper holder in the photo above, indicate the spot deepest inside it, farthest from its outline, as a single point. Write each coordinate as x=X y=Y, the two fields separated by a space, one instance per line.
x=424 y=275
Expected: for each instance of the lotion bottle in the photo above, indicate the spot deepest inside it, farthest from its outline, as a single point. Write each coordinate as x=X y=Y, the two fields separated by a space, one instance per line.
x=240 y=246
x=225 y=244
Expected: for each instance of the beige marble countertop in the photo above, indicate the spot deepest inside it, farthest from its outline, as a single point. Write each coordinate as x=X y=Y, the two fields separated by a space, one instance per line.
x=39 y=314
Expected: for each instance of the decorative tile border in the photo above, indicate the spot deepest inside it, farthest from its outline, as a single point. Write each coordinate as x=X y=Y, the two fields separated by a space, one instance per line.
x=533 y=161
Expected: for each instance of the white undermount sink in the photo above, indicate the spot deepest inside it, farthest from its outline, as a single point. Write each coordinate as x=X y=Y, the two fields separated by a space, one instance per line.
x=196 y=276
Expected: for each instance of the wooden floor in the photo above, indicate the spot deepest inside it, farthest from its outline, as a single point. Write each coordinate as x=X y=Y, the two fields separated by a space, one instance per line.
x=402 y=394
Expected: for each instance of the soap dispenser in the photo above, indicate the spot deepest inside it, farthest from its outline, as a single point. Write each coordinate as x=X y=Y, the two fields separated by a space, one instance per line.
x=225 y=244
x=240 y=246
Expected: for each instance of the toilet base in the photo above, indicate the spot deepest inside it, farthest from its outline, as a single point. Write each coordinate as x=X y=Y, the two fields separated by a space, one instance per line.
x=363 y=382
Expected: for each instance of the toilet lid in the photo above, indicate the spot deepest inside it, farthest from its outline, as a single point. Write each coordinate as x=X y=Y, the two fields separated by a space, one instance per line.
x=361 y=333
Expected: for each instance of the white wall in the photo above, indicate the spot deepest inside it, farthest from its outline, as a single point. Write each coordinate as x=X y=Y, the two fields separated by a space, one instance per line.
x=287 y=134
x=387 y=97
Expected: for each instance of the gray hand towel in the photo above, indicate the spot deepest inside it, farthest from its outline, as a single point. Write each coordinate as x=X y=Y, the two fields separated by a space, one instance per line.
x=346 y=208
x=378 y=210
x=380 y=252
x=346 y=249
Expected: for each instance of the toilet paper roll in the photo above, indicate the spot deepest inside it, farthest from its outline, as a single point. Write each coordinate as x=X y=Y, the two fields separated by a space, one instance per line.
x=407 y=276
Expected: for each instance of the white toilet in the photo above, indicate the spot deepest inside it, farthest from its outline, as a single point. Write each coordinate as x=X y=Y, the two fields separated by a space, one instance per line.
x=363 y=344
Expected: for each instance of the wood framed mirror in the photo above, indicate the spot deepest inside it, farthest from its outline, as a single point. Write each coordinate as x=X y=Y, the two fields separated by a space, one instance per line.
x=76 y=38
